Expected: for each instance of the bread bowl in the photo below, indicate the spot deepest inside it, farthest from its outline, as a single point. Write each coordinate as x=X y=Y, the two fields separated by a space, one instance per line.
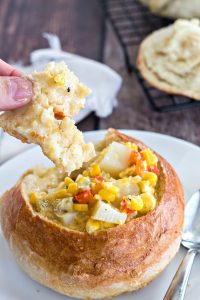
x=98 y=264
x=169 y=58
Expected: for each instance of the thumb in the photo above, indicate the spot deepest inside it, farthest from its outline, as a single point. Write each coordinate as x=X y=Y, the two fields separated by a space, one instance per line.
x=14 y=92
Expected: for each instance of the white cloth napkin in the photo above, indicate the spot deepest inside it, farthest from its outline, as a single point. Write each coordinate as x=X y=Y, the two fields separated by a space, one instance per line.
x=103 y=81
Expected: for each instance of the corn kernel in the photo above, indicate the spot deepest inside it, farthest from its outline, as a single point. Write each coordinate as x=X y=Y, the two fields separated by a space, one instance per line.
x=150 y=157
x=107 y=195
x=151 y=177
x=95 y=170
x=33 y=198
x=80 y=207
x=83 y=91
x=146 y=187
x=97 y=197
x=92 y=225
x=63 y=193
x=113 y=189
x=83 y=182
x=72 y=188
x=149 y=202
x=96 y=187
x=132 y=146
x=119 y=222
x=136 y=202
x=59 y=79
x=107 y=184
x=127 y=172
x=136 y=179
x=105 y=225
x=141 y=167
x=85 y=173
x=68 y=180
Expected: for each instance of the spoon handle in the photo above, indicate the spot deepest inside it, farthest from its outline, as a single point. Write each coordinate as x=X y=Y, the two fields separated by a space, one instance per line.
x=177 y=288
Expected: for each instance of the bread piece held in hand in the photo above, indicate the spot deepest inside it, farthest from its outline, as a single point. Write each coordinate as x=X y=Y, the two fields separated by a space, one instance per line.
x=58 y=95
x=169 y=58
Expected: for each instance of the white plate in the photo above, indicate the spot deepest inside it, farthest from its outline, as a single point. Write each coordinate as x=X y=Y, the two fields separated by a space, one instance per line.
x=185 y=157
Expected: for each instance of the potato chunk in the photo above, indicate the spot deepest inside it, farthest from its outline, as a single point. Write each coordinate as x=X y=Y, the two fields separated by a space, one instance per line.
x=105 y=212
x=116 y=159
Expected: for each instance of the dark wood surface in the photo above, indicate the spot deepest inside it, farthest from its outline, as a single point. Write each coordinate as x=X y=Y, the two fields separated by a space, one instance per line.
x=77 y=22
x=22 y=22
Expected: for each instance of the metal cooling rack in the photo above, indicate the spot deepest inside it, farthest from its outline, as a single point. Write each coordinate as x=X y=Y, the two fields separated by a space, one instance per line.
x=132 y=23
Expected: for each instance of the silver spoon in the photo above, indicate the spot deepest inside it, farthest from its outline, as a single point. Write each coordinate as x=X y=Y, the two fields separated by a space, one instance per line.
x=190 y=240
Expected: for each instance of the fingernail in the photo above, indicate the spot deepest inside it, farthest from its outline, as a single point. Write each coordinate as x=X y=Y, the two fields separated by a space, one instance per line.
x=20 y=89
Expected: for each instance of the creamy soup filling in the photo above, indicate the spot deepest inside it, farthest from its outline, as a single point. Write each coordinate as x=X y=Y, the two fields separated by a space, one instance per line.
x=117 y=186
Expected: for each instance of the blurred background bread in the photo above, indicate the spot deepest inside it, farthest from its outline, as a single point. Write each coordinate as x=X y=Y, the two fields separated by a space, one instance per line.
x=174 y=8
x=169 y=58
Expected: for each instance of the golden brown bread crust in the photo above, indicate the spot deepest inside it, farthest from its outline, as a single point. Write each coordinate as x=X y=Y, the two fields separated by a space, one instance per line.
x=103 y=264
x=168 y=58
x=165 y=87
x=174 y=9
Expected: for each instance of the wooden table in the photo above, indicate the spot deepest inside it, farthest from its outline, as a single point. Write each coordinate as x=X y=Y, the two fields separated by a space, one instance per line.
x=77 y=22
x=79 y=25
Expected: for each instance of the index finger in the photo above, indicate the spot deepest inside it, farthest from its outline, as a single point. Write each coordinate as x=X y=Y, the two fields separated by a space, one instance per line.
x=8 y=70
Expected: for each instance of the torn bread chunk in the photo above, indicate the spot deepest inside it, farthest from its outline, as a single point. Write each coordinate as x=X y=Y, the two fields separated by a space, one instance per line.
x=59 y=88
x=58 y=95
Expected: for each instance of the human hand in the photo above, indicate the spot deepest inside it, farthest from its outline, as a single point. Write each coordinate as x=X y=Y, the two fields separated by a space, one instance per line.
x=15 y=90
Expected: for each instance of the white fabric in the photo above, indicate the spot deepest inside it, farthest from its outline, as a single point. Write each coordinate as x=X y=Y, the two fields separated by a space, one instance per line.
x=10 y=147
x=103 y=81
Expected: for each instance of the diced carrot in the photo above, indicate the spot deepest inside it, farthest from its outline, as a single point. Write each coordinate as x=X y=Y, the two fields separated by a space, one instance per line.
x=140 y=167
x=153 y=169
x=99 y=179
x=84 y=197
x=124 y=207
x=134 y=157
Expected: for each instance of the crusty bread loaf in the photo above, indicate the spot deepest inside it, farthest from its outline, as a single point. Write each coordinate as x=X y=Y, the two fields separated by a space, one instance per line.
x=58 y=95
x=169 y=58
x=174 y=8
x=101 y=264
